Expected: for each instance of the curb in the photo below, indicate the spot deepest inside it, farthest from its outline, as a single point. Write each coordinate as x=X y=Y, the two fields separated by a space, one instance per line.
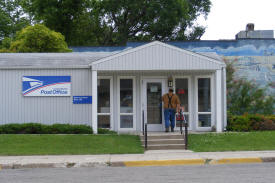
x=193 y=162
x=198 y=161
x=164 y=162
x=53 y=165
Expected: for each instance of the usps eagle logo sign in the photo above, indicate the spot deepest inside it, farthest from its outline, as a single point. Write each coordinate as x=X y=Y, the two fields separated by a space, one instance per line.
x=46 y=85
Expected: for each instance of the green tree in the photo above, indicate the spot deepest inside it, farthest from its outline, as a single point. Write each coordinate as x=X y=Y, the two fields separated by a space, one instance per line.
x=12 y=18
x=58 y=15
x=114 y=22
x=39 y=38
x=5 y=45
x=165 y=20
x=5 y=29
x=244 y=96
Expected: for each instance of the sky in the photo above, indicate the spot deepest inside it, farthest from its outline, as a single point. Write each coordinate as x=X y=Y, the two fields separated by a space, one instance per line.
x=228 y=17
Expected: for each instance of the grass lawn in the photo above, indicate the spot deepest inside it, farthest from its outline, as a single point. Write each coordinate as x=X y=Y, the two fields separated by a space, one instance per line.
x=232 y=141
x=69 y=144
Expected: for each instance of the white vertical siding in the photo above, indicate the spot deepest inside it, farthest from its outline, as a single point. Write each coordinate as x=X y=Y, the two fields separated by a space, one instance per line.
x=15 y=108
x=157 y=57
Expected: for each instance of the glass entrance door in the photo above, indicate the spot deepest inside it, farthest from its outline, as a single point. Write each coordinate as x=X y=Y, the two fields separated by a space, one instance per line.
x=152 y=104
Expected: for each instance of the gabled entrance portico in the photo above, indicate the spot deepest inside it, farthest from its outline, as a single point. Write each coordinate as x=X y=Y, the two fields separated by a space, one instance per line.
x=139 y=78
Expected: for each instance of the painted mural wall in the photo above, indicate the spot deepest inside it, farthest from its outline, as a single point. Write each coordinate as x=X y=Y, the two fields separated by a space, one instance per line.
x=253 y=59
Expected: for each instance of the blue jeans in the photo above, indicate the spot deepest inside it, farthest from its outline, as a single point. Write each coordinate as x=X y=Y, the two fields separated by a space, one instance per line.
x=169 y=115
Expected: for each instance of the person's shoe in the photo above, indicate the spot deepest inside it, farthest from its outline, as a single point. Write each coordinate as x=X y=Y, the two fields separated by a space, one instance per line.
x=166 y=130
x=172 y=129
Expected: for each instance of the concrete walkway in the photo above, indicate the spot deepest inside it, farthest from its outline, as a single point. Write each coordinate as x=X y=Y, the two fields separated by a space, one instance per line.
x=149 y=158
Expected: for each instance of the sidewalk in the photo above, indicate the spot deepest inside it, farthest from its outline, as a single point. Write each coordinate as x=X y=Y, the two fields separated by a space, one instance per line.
x=149 y=158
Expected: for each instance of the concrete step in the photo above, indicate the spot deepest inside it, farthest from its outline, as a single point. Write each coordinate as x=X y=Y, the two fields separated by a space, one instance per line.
x=165 y=147
x=163 y=141
x=154 y=137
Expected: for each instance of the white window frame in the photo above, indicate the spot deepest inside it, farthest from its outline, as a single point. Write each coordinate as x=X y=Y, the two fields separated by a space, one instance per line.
x=197 y=103
x=189 y=98
x=111 y=101
x=142 y=78
x=134 y=103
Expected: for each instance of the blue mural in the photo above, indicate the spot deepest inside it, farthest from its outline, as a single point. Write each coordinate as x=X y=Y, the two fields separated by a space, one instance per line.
x=254 y=59
x=232 y=47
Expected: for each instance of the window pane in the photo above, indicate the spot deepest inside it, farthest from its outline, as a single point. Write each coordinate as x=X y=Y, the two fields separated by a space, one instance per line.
x=103 y=121
x=204 y=95
x=126 y=121
x=103 y=93
x=154 y=103
x=187 y=119
x=126 y=96
x=182 y=92
x=204 y=120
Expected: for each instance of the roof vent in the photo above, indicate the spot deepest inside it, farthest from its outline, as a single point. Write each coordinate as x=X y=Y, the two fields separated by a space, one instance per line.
x=250 y=27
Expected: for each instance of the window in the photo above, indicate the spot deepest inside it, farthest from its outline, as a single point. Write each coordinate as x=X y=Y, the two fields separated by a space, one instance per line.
x=204 y=102
x=104 y=102
x=126 y=102
x=181 y=89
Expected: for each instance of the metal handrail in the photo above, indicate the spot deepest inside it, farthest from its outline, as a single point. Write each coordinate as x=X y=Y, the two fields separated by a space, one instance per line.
x=145 y=137
x=185 y=135
x=181 y=127
x=144 y=130
x=143 y=122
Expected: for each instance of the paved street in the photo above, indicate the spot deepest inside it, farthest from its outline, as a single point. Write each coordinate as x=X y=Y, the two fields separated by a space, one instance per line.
x=252 y=173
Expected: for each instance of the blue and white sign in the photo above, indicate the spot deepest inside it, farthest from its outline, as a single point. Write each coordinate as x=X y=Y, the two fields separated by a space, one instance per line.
x=82 y=99
x=46 y=85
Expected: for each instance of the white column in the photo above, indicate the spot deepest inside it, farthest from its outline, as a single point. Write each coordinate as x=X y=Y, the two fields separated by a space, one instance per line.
x=224 y=98
x=94 y=104
x=219 y=108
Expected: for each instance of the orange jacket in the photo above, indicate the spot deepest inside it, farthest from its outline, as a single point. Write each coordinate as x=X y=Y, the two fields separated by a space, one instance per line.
x=175 y=101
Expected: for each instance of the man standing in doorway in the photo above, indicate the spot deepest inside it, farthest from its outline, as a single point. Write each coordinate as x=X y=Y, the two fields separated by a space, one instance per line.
x=171 y=106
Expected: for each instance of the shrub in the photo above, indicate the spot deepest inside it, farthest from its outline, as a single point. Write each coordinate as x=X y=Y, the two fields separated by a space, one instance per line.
x=37 y=128
x=245 y=96
x=105 y=131
x=260 y=122
x=250 y=122
x=4 y=50
x=239 y=123
x=39 y=38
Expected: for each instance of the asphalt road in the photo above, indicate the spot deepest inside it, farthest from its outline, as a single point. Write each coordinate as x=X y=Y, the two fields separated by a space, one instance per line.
x=248 y=173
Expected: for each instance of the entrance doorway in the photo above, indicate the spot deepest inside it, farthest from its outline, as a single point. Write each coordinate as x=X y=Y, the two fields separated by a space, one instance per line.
x=153 y=89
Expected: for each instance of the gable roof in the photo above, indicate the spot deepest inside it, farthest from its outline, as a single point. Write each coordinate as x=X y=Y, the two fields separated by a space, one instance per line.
x=158 y=56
